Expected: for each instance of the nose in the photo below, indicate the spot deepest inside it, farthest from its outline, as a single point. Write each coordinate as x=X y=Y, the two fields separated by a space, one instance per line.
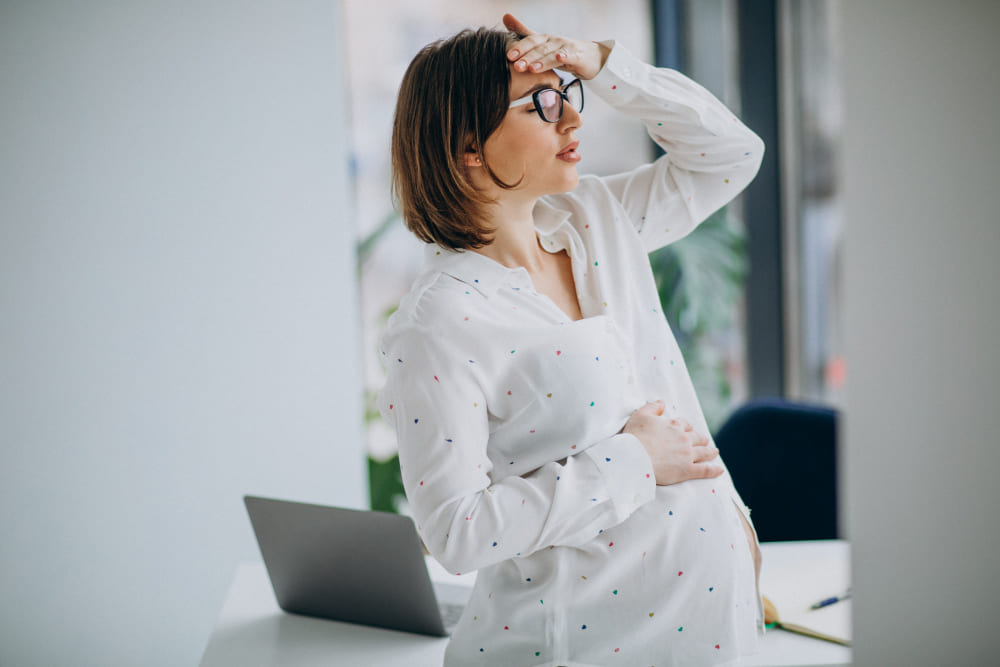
x=571 y=119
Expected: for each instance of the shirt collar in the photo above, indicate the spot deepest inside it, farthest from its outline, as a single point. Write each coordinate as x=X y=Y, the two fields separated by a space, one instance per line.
x=487 y=275
x=471 y=268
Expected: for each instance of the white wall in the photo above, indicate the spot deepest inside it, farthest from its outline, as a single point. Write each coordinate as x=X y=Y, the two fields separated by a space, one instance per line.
x=922 y=270
x=177 y=311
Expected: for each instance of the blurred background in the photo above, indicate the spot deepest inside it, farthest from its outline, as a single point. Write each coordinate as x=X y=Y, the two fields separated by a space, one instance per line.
x=198 y=252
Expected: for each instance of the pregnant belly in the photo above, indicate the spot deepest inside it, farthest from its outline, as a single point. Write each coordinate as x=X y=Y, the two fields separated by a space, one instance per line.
x=752 y=543
x=707 y=505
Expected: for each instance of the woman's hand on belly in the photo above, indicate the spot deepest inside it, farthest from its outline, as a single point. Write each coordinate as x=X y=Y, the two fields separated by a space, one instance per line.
x=677 y=451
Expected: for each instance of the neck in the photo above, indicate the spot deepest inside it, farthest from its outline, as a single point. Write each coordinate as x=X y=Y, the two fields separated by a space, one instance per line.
x=515 y=243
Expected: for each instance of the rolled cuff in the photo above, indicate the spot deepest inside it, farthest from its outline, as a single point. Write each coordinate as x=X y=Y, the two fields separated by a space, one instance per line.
x=627 y=472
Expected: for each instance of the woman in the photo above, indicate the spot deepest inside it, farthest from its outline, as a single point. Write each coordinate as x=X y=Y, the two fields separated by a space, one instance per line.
x=549 y=434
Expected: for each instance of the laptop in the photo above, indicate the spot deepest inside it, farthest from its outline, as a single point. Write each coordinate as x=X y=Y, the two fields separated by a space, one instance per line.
x=353 y=566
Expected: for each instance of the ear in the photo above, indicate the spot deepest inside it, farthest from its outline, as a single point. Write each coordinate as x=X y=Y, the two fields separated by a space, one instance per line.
x=472 y=159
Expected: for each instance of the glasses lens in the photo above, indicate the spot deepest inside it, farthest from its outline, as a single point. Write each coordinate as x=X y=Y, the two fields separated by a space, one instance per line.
x=574 y=93
x=550 y=102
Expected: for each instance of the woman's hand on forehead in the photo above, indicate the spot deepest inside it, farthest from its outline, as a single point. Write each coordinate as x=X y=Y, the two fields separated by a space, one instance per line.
x=538 y=52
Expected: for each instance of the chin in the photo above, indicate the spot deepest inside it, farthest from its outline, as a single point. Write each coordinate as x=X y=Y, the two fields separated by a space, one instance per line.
x=569 y=183
x=559 y=182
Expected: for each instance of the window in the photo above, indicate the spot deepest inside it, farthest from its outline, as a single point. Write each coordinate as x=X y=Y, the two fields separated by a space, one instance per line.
x=812 y=229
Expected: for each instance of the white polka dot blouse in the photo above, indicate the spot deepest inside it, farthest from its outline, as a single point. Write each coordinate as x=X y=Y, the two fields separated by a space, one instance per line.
x=508 y=417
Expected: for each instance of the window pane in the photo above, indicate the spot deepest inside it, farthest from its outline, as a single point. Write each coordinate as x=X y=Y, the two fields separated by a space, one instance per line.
x=718 y=360
x=812 y=227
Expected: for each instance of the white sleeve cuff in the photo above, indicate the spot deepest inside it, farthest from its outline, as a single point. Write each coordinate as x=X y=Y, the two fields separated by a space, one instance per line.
x=627 y=472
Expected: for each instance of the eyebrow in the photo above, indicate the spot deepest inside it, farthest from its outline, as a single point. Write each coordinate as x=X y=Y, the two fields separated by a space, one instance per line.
x=537 y=87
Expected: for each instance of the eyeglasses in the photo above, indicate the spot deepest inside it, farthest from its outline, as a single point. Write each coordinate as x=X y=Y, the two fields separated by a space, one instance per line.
x=549 y=101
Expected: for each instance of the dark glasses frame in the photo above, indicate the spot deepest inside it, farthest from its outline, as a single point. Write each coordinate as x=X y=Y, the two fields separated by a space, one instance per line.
x=563 y=94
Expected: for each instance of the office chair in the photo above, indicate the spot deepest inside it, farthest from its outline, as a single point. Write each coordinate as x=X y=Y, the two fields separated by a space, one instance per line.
x=782 y=457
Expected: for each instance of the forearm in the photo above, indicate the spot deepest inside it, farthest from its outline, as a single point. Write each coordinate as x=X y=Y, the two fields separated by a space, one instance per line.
x=710 y=156
x=561 y=503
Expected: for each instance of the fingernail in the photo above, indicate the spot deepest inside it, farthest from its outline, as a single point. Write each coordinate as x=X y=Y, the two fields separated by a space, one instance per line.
x=513 y=54
x=521 y=65
x=536 y=66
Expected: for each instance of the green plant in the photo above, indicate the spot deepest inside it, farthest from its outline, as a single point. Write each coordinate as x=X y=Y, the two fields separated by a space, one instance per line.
x=699 y=280
x=385 y=484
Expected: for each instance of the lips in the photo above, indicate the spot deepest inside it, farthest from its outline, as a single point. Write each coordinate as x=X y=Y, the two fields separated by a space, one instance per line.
x=569 y=153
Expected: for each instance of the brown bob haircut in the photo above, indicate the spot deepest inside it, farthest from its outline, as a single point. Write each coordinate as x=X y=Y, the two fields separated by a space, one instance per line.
x=454 y=95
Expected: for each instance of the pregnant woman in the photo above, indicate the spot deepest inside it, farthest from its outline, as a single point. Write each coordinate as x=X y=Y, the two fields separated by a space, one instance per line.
x=549 y=433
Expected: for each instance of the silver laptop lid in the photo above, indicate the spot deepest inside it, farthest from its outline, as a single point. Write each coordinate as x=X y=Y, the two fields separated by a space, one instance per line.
x=346 y=565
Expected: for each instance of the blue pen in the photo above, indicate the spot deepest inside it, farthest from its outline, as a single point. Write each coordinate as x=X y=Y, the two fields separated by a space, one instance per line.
x=829 y=601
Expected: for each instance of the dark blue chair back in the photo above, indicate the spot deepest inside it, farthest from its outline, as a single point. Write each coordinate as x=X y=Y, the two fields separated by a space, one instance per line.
x=783 y=460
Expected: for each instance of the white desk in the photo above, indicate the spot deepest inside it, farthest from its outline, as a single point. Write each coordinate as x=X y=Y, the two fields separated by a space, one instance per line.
x=252 y=631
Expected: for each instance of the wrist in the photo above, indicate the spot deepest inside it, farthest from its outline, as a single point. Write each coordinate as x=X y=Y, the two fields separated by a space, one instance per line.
x=600 y=54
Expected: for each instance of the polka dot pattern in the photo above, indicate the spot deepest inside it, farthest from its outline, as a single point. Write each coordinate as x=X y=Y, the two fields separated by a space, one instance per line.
x=507 y=415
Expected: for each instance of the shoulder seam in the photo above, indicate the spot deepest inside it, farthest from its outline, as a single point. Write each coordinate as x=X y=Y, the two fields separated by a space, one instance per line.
x=409 y=306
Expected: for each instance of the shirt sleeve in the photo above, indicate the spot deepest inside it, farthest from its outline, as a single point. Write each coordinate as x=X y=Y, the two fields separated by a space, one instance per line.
x=710 y=156
x=467 y=521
